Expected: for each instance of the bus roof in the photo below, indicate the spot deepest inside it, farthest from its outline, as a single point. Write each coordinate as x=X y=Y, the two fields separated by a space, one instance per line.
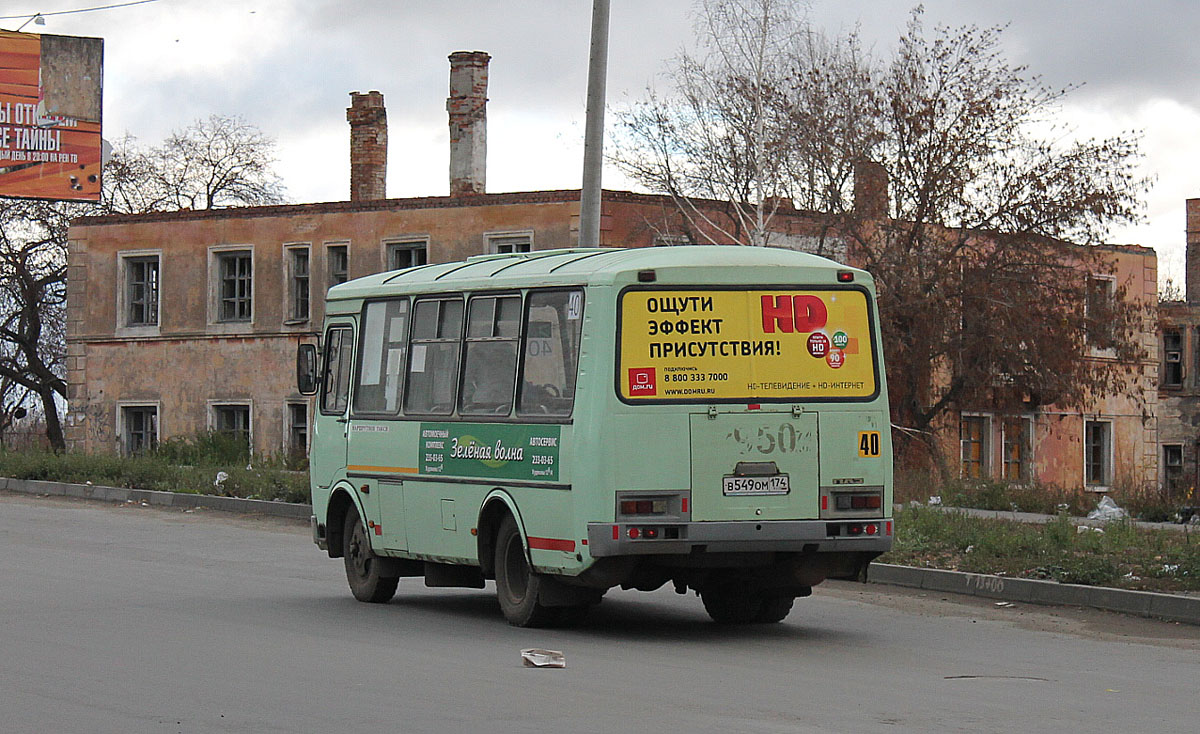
x=592 y=265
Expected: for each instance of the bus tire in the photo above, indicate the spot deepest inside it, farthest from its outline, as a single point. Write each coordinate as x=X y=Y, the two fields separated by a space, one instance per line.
x=774 y=608
x=517 y=586
x=731 y=605
x=363 y=571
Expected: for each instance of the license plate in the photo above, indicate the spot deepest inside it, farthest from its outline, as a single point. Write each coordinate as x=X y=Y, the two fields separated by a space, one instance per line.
x=755 y=486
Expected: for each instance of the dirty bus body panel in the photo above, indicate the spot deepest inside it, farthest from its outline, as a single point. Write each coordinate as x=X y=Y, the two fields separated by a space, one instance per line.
x=569 y=421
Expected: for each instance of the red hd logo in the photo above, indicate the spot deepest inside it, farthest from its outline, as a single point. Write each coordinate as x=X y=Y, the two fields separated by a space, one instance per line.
x=642 y=382
x=793 y=314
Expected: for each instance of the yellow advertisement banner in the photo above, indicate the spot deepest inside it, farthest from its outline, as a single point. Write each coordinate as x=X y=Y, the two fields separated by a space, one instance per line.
x=750 y=345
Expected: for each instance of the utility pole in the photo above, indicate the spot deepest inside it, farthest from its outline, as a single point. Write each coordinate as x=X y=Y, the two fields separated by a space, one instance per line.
x=593 y=136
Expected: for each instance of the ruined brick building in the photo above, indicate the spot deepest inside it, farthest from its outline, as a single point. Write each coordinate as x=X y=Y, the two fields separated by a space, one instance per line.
x=188 y=321
x=1179 y=373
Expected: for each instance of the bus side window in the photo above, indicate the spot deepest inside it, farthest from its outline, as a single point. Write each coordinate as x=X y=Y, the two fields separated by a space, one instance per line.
x=381 y=357
x=490 y=363
x=553 y=322
x=433 y=356
x=335 y=387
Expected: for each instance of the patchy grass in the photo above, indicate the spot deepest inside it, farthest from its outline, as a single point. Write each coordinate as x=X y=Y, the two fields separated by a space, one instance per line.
x=1122 y=556
x=265 y=479
x=1150 y=505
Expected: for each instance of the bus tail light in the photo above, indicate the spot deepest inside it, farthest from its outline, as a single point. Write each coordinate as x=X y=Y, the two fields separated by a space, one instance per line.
x=633 y=505
x=644 y=507
x=858 y=500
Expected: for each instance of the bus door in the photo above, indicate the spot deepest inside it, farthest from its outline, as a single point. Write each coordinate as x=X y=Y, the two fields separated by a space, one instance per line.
x=327 y=460
x=381 y=449
x=756 y=465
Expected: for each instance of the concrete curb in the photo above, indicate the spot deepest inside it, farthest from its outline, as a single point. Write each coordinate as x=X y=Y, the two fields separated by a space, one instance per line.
x=158 y=499
x=1170 y=607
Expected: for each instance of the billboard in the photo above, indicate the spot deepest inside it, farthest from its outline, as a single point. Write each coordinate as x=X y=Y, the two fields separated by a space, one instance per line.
x=726 y=345
x=50 y=101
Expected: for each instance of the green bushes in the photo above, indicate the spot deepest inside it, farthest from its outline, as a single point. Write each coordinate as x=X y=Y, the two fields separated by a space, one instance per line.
x=1121 y=555
x=190 y=464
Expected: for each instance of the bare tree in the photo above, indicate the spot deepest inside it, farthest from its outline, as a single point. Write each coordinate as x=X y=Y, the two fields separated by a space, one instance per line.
x=943 y=172
x=33 y=238
x=986 y=303
x=720 y=134
x=216 y=162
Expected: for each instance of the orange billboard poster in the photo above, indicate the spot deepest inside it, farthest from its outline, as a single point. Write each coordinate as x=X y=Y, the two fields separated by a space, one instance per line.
x=43 y=155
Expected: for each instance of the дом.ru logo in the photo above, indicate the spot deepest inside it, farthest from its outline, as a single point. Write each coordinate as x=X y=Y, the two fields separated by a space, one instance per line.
x=642 y=382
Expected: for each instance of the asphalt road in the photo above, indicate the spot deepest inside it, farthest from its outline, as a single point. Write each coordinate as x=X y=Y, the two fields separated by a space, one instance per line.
x=128 y=619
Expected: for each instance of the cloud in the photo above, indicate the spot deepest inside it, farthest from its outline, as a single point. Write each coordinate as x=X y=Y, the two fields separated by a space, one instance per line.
x=288 y=66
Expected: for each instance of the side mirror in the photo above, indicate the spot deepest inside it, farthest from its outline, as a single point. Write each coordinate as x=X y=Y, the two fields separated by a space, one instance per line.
x=306 y=369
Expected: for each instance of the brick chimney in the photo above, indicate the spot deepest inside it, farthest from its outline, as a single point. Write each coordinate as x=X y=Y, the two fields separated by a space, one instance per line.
x=870 y=190
x=467 y=106
x=368 y=146
x=1191 y=276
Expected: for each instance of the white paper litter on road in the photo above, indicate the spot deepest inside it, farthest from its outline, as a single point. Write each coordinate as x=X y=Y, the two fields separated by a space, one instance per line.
x=537 y=658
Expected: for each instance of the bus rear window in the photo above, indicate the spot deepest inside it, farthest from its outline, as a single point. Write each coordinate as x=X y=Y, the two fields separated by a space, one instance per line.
x=733 y=345
x=553 y=320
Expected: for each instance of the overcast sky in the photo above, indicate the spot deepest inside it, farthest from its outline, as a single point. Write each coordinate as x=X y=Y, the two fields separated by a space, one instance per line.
x=288 y=67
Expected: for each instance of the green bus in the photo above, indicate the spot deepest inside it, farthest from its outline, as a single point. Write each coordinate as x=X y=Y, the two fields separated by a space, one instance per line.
x=569 y=421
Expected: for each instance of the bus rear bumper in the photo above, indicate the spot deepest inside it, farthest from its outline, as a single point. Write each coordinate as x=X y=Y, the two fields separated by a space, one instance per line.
x=811 y=536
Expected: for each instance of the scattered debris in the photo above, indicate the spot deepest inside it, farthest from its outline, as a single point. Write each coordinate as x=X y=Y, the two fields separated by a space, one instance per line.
x=219 y=482
x=1005 y=604
x=534 y=657
x=1088 y=528
x=1107 y=510
x=1170 y=568
x=935 y=500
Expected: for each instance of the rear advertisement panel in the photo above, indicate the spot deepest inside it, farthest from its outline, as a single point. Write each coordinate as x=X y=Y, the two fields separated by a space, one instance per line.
x=745 y=345
x=45 y=153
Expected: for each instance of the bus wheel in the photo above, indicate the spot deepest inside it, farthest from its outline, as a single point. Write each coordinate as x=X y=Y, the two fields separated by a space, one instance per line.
x=731 y=605
x=774 y=609
x=362 y=566
x=517 y=585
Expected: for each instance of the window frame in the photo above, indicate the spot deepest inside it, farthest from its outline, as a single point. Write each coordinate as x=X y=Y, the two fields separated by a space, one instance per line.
x=493 y=242
x=467 y=340
x=392 y=246
x=217 y=256
x=1172 y=359
x=323 y=389
x=215 y=406
x=291 y=291
x=1025 y=443
x=289 y=426
x=414 y=341
x=984 y=461
x=361 y=351
x=522 y=360
x=123 y=408
x=125 y=258
x=1106 y=458
x=331 y=275
x=1110 y=294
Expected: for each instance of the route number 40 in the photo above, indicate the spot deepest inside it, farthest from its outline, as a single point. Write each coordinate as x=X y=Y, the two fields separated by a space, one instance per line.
x=868 y=444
